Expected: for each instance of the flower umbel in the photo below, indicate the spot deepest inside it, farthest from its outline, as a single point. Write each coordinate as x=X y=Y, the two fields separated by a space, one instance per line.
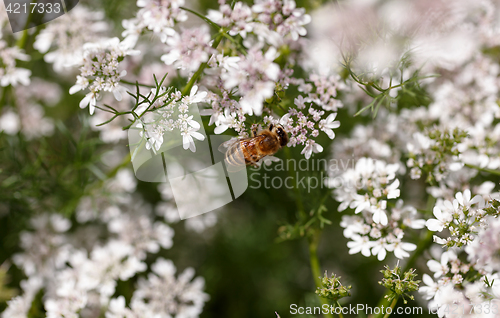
x=332 y=288
x=399 y=283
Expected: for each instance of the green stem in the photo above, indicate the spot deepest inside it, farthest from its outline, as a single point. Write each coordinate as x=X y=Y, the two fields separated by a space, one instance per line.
x=298 y=197
x=3 y=99
x=202 y=67
x=24 y=37
x=313 y=241
x=393 y=304
x=336 y=304
x=22 y=40
x=207 y=20
x=134 y=84
x=421 y=247
x=241 y=48
x=495 y=172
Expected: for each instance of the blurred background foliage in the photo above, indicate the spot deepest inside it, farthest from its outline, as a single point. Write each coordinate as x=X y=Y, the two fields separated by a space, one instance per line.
x=249 y=270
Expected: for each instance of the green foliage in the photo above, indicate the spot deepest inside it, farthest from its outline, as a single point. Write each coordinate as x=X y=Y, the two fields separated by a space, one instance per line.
x=373 y=86
x=6 y=293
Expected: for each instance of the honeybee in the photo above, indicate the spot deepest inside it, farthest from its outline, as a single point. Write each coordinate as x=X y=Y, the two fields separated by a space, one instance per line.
x=248 y=151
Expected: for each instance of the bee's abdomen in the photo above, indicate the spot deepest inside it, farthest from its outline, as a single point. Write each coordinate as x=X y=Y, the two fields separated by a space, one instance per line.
x=236 y=159
x=250 y=152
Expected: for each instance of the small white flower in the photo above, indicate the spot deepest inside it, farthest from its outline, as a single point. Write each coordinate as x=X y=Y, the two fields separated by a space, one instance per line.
x=187 y=138
x=89 y=100
x=310 y=148
x=465 y=198
x=195 y=96
x=225 y=121
x=401 y=249
x=328 y=124
x=379 y=216
x=380 y=249
x=441 y=268
x=431 y=287
x=440 y=222
x=392 y=190
x=360 y=244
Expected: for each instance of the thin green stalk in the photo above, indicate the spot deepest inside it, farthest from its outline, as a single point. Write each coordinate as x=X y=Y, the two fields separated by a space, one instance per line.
x=298 y=197
x=3 y=99
x=22 y=40
x=393 y=304
x=134 y=84
x=313 y=241
x=202 y=67
x=421 y=247
x=207 y=20
x=495 y=172
x=336 y=304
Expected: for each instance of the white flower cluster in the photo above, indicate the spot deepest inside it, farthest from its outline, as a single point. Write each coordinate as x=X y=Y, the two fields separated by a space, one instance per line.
x=484 y=251
x=10 y=74
x=79 y=270
x=250 y=82
x=463 y=217
x=467 y=272
x=99 y=69
x=254 y=78
x=158 y=16
x=380 y=227
x=458 y=283
x=435 y=150
x=304 y=126
x=321 y=90
x=62 y=40
x=30 y=117
x=186 y=51
x=225 y=113
x=455 y=284
x=166 y=108
x=272 y=21
x=162 y=294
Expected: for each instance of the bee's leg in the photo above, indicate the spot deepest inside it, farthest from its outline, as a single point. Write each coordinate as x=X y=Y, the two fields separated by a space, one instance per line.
x=254 y=130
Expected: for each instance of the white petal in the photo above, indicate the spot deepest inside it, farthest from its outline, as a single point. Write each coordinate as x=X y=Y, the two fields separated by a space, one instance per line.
x=74 y=89
x=408 y=246
x=381 y=255
x=197 y=135
x=220 y=129
x=434 y=225
x=86 y=100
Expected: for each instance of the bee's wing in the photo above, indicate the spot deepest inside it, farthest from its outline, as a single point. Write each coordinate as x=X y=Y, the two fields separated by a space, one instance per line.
x=234 y=158
x=223 y=147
